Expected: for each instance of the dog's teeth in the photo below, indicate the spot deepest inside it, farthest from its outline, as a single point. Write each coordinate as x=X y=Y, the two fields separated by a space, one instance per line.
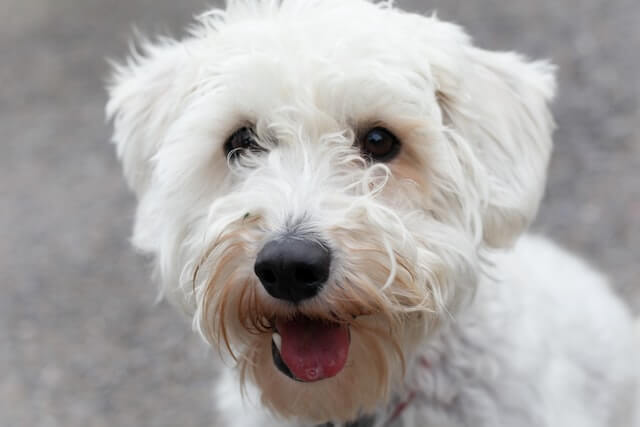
x=277 y=339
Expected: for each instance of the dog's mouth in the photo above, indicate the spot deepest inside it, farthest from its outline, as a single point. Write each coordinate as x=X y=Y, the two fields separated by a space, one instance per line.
x=309 y=350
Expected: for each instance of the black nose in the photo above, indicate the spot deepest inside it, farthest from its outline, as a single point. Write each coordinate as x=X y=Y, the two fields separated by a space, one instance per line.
x=293 y=269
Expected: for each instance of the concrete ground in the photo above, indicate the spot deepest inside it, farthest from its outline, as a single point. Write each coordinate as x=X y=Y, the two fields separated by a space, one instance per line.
x=83 y=343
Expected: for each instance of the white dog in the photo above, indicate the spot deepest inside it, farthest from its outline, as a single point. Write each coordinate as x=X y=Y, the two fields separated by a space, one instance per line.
x=336 y=192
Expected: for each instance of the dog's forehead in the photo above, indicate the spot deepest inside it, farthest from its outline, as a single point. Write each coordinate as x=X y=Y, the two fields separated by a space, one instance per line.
x=325 y=44
x=340 y=59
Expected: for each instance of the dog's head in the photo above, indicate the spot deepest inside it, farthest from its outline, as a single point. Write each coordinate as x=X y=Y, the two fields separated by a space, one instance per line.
x=318 y=180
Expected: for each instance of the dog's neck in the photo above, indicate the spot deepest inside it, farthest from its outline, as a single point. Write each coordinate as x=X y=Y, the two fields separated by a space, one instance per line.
x=390 y=418
x=365 y=421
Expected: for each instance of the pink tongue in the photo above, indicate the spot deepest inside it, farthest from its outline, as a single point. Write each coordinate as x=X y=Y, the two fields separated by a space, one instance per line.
x=313 y=350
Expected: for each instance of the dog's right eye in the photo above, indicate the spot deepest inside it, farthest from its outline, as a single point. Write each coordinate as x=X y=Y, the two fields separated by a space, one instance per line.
x=241 y=140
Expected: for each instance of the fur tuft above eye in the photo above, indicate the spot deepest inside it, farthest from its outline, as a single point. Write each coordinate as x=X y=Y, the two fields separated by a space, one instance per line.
x=241 y=140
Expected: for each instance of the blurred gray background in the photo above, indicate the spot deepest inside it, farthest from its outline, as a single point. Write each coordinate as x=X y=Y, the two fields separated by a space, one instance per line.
x=81 y=342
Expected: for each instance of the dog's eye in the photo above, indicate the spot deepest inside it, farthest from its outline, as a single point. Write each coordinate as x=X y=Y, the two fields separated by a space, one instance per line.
x=241 y=140
x=380 y=145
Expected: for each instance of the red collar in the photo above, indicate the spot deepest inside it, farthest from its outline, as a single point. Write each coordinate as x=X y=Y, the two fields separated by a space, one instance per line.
x=400 y=407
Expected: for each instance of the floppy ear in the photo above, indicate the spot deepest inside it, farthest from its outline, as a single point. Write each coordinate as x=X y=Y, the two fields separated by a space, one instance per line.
x=498 y=103
x=145 y=96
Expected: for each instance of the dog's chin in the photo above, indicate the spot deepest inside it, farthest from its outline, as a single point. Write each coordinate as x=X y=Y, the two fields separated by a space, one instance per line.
x=309 y=350
x=319 y=371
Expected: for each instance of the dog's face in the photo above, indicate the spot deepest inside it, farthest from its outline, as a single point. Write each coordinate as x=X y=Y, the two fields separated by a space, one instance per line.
x=317 y=182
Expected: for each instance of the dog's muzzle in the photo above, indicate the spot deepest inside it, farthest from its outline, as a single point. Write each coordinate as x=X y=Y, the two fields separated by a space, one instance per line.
x=294 y=269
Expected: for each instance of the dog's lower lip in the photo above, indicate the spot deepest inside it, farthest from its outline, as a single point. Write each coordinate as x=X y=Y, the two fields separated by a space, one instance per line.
x=277 y=360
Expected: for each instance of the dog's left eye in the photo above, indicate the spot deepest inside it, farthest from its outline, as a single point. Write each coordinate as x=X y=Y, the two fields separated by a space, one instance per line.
x=241 y=140
x=380 y=145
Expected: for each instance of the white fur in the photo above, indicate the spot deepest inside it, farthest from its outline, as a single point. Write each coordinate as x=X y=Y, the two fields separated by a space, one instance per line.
x=446 y=302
